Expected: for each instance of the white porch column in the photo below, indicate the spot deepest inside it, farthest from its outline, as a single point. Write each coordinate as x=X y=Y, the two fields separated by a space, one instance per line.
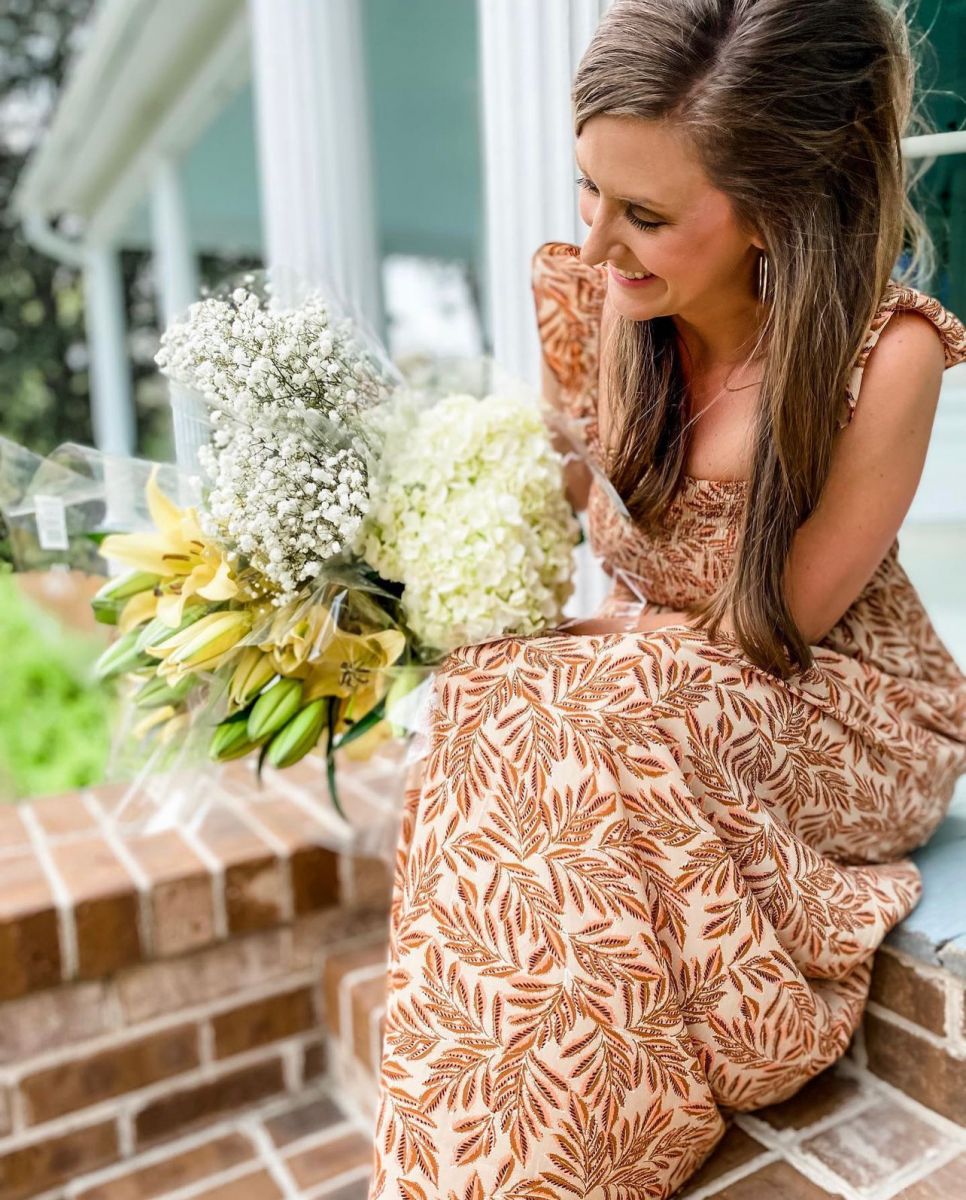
x=112 y=403
x=177 y=277
x=529 y=53
x=314 y=148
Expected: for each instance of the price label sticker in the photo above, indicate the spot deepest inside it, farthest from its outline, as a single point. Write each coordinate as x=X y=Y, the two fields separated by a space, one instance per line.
x=51 y=523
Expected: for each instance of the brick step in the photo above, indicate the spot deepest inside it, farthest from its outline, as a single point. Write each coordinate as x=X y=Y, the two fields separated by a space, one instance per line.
x=354 y=997
x=913 y=1034
x=301 y=1146
x=154 y=987
x=845 y=1134
x=914 y=1030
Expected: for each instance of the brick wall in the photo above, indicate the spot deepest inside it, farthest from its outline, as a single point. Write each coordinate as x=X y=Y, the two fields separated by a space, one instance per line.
x=152 y=984
x=914 y=1031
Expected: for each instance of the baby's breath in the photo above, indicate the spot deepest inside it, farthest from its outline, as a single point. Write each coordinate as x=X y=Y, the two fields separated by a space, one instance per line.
x=286 y=465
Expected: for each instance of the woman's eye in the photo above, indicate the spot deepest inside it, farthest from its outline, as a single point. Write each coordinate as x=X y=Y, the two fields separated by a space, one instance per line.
x=637 y=222
x=643 y=224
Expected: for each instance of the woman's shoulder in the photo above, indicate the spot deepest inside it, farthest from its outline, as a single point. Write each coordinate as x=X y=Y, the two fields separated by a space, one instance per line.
x=902 y=298
x=557 y=269
x=568 y=296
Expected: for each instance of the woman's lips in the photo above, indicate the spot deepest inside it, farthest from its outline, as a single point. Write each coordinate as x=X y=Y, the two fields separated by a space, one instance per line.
x=629 y=283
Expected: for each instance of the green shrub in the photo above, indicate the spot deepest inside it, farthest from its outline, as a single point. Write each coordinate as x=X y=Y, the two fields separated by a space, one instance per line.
x=55 y=719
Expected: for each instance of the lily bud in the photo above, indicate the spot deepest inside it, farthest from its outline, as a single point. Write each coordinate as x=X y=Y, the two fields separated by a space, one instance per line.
x=204 y=643
x=157 y=717
x=108 y=600
x=157 y=630
x=158 y=692
x=120 y=656
x=230 y=740
x=406 y=680
x=254 y=670
x=299 y=736
x=274 y=708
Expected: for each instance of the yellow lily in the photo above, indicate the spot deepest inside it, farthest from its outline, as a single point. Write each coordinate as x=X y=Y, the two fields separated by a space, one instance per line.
x=188 y=562
x=137 y=610
x=204 y=645
x=292 y=646
x=353 y=665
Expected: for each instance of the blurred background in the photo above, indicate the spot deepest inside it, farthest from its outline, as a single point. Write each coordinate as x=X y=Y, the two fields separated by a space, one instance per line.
x=412 y=153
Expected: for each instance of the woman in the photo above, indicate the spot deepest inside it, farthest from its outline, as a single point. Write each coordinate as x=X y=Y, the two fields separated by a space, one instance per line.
x=647 y=859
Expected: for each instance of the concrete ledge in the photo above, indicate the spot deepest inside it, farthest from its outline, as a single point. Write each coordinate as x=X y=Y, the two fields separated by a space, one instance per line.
x=934 y=933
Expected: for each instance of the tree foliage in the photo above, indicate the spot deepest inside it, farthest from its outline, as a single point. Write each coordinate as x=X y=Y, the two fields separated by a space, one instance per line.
x=43 y=353
x=44 y=359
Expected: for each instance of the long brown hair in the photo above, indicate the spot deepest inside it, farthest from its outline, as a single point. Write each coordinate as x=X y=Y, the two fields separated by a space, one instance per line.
x=795 y=109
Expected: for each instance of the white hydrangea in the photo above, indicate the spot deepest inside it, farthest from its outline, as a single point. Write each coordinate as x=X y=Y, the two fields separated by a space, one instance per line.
x=468 y=511
x=286 y=465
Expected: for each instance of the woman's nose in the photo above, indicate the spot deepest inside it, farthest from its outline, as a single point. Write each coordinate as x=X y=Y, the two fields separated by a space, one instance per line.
x=593 y=251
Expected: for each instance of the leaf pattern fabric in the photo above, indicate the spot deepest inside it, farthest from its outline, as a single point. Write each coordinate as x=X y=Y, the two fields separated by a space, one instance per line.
x=640 y=881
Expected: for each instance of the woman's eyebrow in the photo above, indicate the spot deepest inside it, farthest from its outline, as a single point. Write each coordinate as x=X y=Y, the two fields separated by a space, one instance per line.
x=648 y=204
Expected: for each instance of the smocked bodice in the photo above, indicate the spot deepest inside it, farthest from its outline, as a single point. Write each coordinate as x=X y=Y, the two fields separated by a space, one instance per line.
x=694 y=551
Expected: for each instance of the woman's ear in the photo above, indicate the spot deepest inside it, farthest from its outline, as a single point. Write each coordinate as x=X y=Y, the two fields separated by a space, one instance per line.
x=754 y=235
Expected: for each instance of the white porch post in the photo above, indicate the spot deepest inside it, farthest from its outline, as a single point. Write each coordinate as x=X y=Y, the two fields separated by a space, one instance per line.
x=529 y=53
x=177 y=278
x=112 y=405
x=314 y=148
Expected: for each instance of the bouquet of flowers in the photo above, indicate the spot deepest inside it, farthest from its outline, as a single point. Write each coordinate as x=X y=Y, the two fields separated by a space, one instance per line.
x=347 y=531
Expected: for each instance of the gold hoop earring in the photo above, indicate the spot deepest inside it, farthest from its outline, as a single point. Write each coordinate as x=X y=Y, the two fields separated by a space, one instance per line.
x=762 y=276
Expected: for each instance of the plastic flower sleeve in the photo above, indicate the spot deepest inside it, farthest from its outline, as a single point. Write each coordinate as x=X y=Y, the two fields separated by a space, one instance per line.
x=283 y=633
x=628 y=596
x=572 y=430
x=58 y=506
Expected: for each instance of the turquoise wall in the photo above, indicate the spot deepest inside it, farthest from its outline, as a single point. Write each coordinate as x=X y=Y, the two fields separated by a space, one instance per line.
x=941 y=194
x=220 y=174
x=423 y=86
x=221 y=179
x=424 y=91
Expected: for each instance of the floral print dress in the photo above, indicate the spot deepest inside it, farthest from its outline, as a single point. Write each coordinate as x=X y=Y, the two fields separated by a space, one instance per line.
x=640 y=881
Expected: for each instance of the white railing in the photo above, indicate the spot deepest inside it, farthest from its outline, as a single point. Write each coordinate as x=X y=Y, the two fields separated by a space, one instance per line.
x=931 y=145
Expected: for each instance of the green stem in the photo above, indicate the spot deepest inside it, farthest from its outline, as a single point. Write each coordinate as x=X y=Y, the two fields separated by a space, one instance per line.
x=330 y=757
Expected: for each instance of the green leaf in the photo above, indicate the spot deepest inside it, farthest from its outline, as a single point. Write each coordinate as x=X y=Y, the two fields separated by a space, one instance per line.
x=372 y=717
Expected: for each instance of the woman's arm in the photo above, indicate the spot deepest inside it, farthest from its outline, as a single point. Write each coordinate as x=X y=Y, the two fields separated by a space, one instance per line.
x=577 y=476
x=876 y=465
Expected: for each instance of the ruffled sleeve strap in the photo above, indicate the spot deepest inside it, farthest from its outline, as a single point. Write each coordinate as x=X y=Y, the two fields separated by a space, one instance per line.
x=568 y=296
x=899 y=297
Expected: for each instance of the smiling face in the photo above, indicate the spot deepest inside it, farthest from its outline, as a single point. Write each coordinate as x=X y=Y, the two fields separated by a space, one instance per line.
x=651 y=208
